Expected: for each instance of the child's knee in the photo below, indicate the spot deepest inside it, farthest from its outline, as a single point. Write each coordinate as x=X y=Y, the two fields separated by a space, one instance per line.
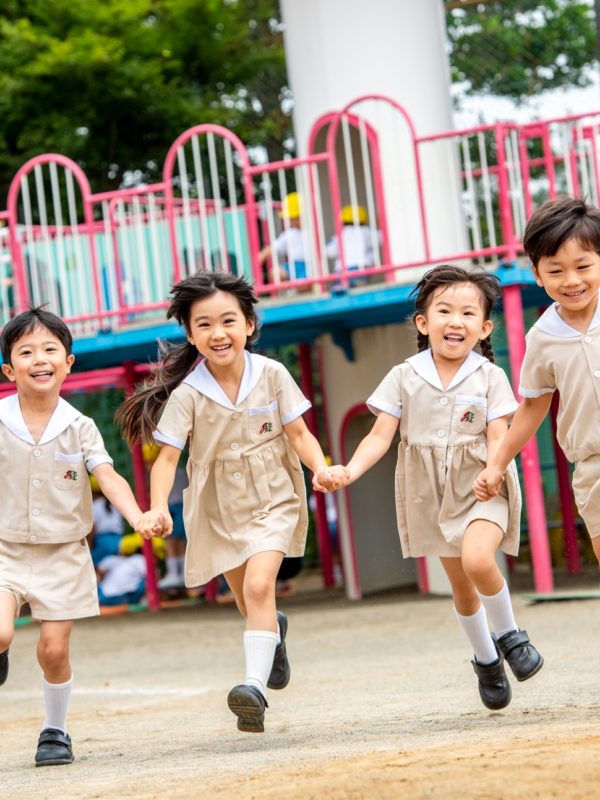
x=257 y=589
x=7 y=633
x=53 y=653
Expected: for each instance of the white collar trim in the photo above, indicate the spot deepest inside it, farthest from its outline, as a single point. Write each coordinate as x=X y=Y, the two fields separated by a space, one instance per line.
x=11 y=415
x=201 y=380
x=424 y=365
x=552 y=323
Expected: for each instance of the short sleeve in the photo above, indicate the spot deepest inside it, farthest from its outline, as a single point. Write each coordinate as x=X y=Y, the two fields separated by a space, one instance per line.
x=92 y=445
x=388 y=395
x=290 y=400
x=177 y=419
x=501 y=401
x=537 y=378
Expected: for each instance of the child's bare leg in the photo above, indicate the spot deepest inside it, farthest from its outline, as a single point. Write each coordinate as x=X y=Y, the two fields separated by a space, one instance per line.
x=257 y=602
x=494 y=688
x=480 y=543
x=53 y=658
x=8 y=609
x=596 y=545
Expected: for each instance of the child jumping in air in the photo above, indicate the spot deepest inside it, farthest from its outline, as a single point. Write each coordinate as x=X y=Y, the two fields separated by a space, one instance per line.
x=245 y=507
x=47 y=448
x=453 y=406
x=562 y=239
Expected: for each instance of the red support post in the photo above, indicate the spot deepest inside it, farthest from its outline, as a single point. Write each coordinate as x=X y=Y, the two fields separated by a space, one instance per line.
x=323 y=540
x=141 y=492
x=530 y=462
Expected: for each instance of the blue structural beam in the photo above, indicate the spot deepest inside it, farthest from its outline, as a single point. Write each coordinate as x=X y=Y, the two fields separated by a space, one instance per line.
x=292 y=322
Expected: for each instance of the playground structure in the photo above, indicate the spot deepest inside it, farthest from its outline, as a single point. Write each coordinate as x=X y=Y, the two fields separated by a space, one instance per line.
x=105 y=261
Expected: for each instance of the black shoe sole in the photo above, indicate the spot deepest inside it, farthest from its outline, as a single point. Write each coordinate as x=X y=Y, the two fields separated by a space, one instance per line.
x=248 y=709
x=532 y=673
x=54 y=762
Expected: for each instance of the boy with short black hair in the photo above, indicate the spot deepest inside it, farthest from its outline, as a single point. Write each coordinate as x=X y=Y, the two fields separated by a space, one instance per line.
x=562 y=240
x=47 y=448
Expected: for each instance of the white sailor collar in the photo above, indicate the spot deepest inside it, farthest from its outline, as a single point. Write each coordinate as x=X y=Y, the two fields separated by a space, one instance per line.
x=11 y=415
x=424 y=365
x=201 y=380
x=551 y=322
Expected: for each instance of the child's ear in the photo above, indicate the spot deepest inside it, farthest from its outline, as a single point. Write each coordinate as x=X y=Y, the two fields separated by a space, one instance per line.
x=486 y=329
x=536 y=275
x=250 y=326
x=421 y=323
x=70 y=362
x=8 y=372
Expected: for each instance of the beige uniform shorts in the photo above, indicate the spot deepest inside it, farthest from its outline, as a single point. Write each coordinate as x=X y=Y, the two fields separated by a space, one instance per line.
x=586 y=488
x=57 y=580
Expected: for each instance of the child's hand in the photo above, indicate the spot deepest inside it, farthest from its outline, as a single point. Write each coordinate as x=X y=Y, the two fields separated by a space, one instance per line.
x=487 y=484
x=331 y=478
x=157 y=521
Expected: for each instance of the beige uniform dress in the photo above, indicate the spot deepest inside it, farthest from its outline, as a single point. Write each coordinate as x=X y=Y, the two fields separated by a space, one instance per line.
x=560 y=357
x=246 y=490
x=47 y=511
x=443 y=448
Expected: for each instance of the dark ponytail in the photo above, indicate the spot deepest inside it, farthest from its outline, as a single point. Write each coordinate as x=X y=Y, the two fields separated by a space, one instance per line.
x=447 y=275
x=138 y=415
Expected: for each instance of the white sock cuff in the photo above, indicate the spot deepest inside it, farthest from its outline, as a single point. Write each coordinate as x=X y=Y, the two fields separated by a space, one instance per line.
x=58 y=685
x=479 y=613
x=501 y=593
x=261 y=635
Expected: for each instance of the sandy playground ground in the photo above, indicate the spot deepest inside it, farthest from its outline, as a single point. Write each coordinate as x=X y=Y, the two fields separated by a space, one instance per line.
x=382 y=704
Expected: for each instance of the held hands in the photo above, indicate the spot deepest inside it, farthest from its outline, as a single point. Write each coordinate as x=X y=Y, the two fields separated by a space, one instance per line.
x=156 y=522
x=329 y=479
x=487 y=484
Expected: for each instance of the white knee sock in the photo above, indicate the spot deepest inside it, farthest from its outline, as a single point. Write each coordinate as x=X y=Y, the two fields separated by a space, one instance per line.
x=56 y=702
x=259 y=649
x=499 y=610
x=479 y=636
x=172 y=567
x=180 y=565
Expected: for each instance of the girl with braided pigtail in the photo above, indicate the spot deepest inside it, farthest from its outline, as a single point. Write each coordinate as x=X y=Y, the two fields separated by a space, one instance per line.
x=453 y=406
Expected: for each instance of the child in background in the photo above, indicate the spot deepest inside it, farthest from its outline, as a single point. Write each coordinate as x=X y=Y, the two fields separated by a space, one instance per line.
x=360 y=243
x=47 y=448
x=562 y=239
x=245 y=508
x=109 y=525
x=289 y=245
x=122 y=577
x=453 y=406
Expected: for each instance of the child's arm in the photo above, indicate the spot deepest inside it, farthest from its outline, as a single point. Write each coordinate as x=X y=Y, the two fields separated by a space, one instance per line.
x=162 y=477
x=306 y=447
x=372 y=448
x=116 y=489
x=527 y=420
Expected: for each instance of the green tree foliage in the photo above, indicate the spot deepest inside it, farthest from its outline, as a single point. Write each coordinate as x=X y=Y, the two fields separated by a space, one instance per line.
x=519 y=48
x=111 y=83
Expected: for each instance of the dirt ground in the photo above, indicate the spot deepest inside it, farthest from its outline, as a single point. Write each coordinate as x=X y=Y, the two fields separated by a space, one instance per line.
x=382 y=704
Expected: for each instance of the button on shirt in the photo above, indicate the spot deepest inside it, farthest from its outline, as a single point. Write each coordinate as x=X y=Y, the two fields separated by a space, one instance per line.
x=561 y=358
x=46 y=496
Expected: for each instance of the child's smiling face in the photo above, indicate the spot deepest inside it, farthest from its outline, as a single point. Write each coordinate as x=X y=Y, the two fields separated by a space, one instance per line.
x=218 y=329
x=571 y=277
x=38 y=363
x=454 y=321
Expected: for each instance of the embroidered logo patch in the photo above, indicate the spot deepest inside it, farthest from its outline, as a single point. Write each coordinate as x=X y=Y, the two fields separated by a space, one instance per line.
x=468 y=416
x=71 y=475
x=266 y=427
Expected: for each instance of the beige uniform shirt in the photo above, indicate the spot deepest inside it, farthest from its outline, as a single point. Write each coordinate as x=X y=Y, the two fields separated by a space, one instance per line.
x=559 y=357
x=45 y=491
x=246 y=490
x=443 y=448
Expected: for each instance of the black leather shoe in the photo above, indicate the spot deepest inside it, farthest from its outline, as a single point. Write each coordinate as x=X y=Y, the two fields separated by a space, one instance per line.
x=3 y=667
x=494 y=688
x=248 y=704
x=280 y=671
x=54 y=747
x=523 y=659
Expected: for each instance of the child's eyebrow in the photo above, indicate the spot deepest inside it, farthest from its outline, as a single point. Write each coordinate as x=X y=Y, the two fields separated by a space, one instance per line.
x=206 y=316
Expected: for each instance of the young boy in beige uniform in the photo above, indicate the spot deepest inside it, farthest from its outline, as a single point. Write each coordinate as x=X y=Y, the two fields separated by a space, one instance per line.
x=47 y=448
x=562 y=240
